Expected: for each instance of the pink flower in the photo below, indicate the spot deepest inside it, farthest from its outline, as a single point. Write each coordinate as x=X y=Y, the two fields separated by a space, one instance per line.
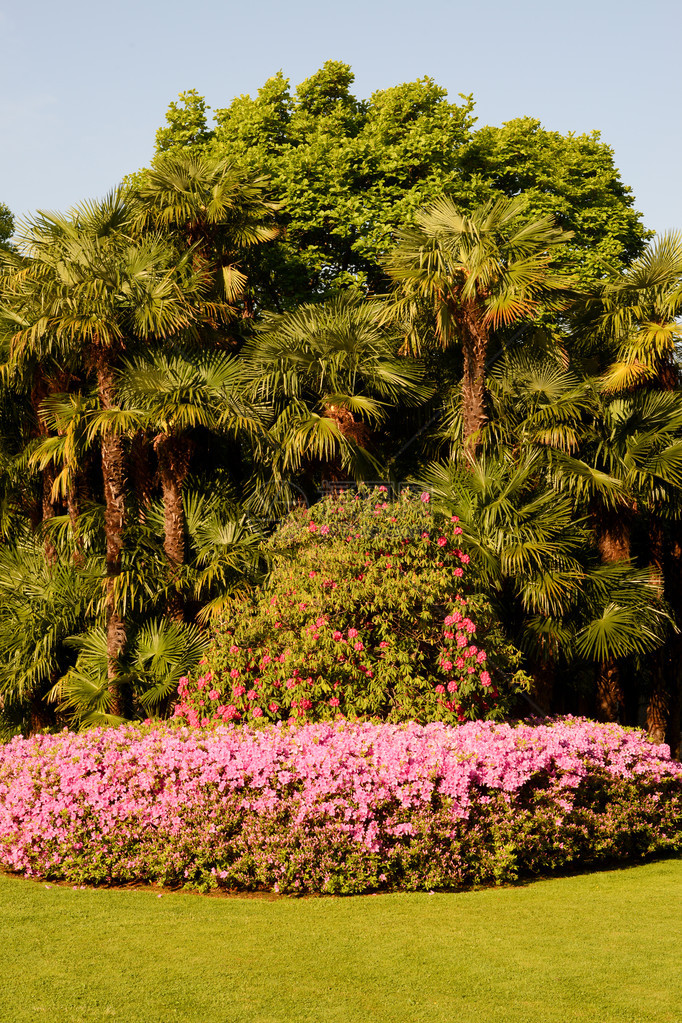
x=238 y=691
x=334 y=702
x=352 y=633
x=234 y=649
x=234 y=673
x=358 y=646
x=457 y=530
x=459 y=663
x=337 y=635
x=257 y=712
x=447 y=665
x=324 y=530
x=441 y=541
x=252 y=694
x=455 y=518
x=312 y=527
x=462 y=640
x=440 y=689
x=425 y=498
x=383 y=645
x=485 y=678
x=273 y=707
x=214 y=694
x=319 y=622
x=458 y=572
x=465 y=559
x=452 y=686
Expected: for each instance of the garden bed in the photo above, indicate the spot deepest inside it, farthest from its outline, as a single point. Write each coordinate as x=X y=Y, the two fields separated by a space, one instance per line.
x=335 y=808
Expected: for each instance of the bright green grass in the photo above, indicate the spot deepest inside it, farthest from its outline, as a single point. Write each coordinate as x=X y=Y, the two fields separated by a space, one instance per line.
x=601 y=948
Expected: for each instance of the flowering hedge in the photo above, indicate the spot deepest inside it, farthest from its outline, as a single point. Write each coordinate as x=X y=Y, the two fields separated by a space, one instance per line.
x=342 y=807
x=364 y=616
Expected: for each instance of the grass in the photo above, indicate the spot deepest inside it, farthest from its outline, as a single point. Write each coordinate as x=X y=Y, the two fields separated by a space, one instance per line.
x=603 y=948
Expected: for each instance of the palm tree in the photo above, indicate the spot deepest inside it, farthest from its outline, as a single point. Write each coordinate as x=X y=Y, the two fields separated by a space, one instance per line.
x=210 y=205
x=169 y=397
x=615 y=456
x=475 y=273
x=533 y=556
x=98 y=291
x=331 y=373
x=637 y=312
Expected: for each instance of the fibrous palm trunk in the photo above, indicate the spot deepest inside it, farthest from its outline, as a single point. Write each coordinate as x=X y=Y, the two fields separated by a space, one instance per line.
x=474 y=346
x=113 y=475
x=613 y=540
x=173 y=453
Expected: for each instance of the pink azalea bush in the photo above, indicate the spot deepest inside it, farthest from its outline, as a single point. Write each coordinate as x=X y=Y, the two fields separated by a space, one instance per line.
x=364 y=616
x=334 y=807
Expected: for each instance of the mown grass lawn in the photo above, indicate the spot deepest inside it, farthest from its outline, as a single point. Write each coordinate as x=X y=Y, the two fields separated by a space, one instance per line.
x=602 y=948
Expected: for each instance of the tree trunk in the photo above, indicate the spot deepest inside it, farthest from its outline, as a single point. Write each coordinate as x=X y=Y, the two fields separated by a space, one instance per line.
x=49 y=475
x=610 y=695
x=173 y=453
x=42 y=716
x=142 y=473
x=113 y=475
x=73 y=506
x=474 y=346
x=658 y=706
x=613 y=529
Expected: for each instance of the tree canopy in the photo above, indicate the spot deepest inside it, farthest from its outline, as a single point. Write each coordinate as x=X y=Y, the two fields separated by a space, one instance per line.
x=350 y=172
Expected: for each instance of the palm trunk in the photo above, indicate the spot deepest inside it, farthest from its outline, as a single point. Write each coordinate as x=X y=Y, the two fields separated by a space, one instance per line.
x=49 y=475
x=142 y=473
x=658 y=706
x=613 y=539
x=474 y=346
x=113 y=475
x=173 y=454
x=73 y=506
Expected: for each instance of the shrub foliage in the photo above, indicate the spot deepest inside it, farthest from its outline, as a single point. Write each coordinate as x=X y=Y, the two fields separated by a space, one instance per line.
x=334 y=807
x=364 y=616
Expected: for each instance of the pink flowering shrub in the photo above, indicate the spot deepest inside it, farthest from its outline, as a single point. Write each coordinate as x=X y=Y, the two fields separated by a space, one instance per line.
x=364 y=617
x=334 y=807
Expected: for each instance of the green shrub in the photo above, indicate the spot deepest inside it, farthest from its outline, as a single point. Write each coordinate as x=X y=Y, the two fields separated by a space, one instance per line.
x=364 y=616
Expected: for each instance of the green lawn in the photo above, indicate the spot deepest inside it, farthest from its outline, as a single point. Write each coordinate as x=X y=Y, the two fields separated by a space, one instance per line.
x=601 y=948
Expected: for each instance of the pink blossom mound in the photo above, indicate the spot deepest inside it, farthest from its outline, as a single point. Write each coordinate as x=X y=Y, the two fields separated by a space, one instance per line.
x=334 y=807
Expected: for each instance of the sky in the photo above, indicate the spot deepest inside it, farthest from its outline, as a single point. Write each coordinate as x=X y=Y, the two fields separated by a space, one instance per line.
x=85 y=84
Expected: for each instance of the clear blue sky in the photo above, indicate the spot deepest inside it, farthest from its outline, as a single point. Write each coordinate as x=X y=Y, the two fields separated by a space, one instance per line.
x=86 y=83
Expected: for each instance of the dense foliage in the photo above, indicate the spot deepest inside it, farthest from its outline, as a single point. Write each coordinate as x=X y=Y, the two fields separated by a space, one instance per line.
x=336 y=808
x=363 y=616
x=319 y=289
x=351 y=172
